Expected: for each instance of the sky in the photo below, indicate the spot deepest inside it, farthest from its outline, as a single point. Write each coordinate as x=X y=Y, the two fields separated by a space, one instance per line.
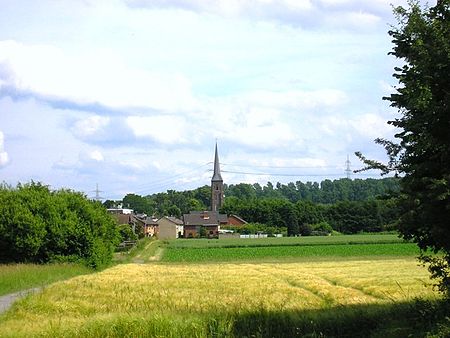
x=131 y=96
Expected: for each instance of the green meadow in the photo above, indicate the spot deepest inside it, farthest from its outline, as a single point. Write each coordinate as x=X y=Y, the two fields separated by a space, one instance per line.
x=17 y=277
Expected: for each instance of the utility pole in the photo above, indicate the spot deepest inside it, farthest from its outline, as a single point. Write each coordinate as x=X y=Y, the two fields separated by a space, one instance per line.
x=348 y=171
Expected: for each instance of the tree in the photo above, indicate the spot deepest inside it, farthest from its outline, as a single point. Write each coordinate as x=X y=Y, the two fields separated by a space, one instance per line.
x=422 y=158
x=39 y=225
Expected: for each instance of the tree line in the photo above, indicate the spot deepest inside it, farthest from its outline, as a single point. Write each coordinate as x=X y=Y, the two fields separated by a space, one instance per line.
x=345 y=205
x=306 y=218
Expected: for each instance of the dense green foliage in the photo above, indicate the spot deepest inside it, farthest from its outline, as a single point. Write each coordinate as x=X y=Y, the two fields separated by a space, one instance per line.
x=302 y=217
x=170 y=203
x=39 y=225
x=253 y=228
x=422 y=41
x=176 y=203
x=126 y=233
x=325 y=192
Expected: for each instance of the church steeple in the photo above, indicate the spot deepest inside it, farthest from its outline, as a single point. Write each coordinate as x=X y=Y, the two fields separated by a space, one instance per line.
x=216 y=176
x=216 y=185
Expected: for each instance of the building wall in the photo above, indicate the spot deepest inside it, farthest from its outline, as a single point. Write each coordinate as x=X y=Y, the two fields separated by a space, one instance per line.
x=167 y=229
x=180 y=231
x=234 y=221
x=191 y=231
x=216 y=195
x=212 y=231
x=150 y=230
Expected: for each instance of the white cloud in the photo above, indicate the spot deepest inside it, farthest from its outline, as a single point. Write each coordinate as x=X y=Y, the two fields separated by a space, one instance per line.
x=4 y=158
x=163 y=128
x=90 y=125
x=96 y=155
x=372 y=125
x=91 y=76
x=303 y=13
x=297 y=99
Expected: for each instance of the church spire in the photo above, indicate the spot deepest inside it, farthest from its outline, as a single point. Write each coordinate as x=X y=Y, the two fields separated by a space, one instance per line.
x=216 y=176
x=216 y=185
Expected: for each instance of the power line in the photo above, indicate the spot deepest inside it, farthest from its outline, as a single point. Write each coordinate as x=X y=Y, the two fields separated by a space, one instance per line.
x=276 y=174
x=167 y=181
x=278 y=167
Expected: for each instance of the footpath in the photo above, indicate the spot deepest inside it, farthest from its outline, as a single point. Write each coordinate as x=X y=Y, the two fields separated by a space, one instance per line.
x=7 y=300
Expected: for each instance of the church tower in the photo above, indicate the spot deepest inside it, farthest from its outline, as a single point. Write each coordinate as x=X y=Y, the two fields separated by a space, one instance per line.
x=216 y=185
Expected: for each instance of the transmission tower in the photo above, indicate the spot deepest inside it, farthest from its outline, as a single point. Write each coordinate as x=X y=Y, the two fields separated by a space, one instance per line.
x=348 y=171
x=97 y=193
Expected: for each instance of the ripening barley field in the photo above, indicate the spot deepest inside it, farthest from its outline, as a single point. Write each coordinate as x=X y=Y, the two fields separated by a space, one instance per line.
x=280 y=299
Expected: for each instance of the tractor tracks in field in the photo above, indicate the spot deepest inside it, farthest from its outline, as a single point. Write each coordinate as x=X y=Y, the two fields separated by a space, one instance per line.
x=142 y=258
x=330 y=291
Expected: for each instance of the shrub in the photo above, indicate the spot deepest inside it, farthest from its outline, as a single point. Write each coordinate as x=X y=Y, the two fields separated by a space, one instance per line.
x=39 y=225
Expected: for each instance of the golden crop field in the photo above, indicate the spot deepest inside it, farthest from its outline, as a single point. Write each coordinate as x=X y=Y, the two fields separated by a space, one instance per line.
x=173 y=300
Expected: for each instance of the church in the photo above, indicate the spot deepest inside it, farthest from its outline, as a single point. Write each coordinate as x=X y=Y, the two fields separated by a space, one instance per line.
x=207 y=223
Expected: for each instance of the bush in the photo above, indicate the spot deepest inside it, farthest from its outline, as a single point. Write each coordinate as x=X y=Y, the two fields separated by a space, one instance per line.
x=39 y=225
x=253 y=228
x=322 y=227
x=126 y=233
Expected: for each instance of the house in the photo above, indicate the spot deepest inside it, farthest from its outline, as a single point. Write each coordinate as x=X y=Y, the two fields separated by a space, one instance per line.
x=122 y=216
x=235 y=220
x=203 y=223
x=170 y=228
x=150 y=227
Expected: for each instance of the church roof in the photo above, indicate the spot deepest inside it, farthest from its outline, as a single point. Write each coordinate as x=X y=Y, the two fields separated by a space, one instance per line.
x=216 y=176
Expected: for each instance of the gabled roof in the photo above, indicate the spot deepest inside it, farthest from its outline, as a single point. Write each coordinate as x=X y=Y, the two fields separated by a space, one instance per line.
x=238 y=218
x=151 y=221
x=174 y=220
x=205 y=218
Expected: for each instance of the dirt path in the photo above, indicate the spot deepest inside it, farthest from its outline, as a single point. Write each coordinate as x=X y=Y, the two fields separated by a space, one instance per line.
x=142 y=258
x=7 y=300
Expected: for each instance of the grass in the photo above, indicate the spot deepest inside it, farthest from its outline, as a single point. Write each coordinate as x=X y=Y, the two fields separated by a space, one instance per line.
x=17 y=277
x=228 y=300
x=132 y=254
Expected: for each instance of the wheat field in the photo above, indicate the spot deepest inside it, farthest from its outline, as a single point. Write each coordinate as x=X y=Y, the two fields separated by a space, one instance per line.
x=180 y=300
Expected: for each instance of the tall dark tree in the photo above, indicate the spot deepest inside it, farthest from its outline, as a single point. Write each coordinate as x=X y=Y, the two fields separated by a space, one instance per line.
x=422 y=41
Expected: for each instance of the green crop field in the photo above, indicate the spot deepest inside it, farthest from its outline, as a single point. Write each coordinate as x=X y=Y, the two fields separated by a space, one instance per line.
x=288 y=248
x=285 y=241
x=303 y=253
